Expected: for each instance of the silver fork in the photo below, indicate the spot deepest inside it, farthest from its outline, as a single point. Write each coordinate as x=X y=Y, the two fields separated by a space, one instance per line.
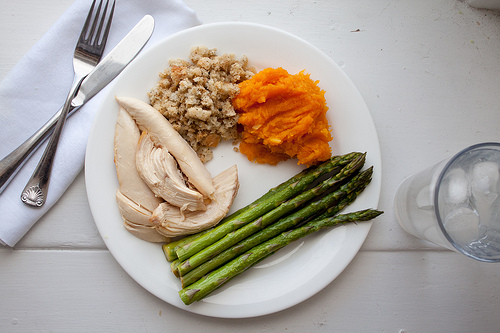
x=88 y=52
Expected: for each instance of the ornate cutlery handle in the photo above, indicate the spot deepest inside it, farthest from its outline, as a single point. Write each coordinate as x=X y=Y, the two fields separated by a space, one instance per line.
x=35 y=192
x=12 y=163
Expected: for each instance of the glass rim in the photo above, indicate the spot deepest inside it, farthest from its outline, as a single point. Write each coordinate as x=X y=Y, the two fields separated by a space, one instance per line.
x=436 y=198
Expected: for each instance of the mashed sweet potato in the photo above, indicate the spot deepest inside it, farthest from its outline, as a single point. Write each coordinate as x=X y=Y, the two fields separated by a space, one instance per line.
x=283 y=116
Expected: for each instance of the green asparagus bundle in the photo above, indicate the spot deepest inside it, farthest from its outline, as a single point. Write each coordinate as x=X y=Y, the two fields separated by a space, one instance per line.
x=306 y=202
x=331 y=203
x=170 y=248
x=261 y=206
x=217 y=278
x=267 y=219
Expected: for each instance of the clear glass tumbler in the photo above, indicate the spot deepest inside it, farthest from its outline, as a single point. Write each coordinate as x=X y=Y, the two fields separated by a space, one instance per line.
x=456 y=203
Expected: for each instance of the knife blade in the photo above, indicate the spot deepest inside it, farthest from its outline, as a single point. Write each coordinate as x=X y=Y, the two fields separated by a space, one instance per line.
x=107 y=69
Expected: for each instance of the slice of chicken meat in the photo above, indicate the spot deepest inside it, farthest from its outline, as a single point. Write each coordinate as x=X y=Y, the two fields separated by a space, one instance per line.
x=159 y=170
x=161 y=131
x=136 y=220
x=172 y=222
x=136 y=201
x=126 y=138
x=146 y=233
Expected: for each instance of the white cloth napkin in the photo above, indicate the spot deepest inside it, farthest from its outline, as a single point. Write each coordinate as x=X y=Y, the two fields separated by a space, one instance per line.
x=37 y=87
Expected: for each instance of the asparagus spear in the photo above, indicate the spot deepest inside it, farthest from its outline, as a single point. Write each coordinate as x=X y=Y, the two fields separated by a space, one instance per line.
x=261 y=206
x=214 y=280
x=338 y=200
x=170 y=248
x=270 y=217
x=173 y=267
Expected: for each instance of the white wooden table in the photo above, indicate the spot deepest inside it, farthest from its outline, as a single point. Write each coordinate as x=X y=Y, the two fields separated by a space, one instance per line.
x=429 y=72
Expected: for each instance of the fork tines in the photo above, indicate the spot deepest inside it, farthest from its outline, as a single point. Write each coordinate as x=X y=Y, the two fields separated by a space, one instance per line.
x=96 y=21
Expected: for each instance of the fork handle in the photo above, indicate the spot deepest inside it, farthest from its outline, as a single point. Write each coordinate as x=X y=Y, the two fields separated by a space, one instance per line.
x=35 y=192
x=10 y=164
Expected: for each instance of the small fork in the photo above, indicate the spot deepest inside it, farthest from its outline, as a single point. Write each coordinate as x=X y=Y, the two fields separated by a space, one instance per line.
x=87 y=55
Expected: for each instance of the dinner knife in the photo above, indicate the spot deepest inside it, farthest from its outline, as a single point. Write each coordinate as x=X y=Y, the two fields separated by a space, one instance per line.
x=107 y=69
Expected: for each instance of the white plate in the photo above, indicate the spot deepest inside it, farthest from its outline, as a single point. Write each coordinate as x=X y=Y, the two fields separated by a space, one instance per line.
x=296 y=272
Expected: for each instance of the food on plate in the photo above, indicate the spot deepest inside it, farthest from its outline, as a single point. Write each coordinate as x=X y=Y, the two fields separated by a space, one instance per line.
x=217 y=278
x=170 y=248
x=136 y=201
x=307 y=202
x=284 y=217
x=162 y=132
x=195 y=96
x=197 y=104
x=165 y=190
x=173 y=222
x=283 y=116
x=268 y=202
x=158 y=168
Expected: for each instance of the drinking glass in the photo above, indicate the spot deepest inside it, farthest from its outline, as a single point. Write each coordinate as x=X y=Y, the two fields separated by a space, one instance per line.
x=456 y=203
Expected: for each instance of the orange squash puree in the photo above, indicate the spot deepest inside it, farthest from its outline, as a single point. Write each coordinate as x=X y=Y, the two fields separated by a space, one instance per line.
x=283 y=116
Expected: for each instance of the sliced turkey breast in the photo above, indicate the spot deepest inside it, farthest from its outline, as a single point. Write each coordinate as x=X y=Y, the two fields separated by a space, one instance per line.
x=125 y=144
x=135 y=200
x=162 y=132
x=171 y=221
x=132 y=211
x=144 y=232
x=160 y=172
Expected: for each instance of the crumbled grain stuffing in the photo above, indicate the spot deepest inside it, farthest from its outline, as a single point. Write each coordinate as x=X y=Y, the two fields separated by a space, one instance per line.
x=196 y=97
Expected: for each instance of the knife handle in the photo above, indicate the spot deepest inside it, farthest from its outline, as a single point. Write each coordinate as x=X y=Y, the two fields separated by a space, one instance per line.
x=12 y=163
